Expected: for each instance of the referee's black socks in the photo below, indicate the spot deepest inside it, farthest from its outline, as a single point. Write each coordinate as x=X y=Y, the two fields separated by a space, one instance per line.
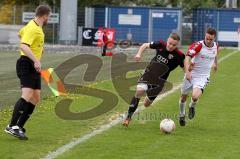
x=133 y=106
x=18 y=111
x=26 y=114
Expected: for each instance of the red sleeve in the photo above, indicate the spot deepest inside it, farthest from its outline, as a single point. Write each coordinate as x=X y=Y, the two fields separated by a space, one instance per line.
x=194 y=49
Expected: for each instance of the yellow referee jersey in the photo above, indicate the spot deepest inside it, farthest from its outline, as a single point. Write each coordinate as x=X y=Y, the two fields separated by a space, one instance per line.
x=33 y=36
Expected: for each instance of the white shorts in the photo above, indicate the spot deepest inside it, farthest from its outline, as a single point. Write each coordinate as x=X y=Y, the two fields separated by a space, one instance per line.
x=199 y=82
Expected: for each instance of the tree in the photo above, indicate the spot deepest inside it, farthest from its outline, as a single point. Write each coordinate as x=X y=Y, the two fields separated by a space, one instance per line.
x=189 y=5
x=6 y=11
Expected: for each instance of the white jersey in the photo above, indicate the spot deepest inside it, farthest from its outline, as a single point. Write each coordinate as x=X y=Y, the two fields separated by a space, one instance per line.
x=202 y=58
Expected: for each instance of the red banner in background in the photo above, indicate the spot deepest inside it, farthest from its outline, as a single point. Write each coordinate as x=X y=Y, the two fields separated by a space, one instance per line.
x=110 y=34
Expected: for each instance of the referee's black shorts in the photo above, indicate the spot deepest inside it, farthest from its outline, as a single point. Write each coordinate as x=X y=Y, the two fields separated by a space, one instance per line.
x=29 y=77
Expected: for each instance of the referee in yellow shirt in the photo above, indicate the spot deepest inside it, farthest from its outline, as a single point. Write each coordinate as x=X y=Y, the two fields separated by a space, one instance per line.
x=28 y=71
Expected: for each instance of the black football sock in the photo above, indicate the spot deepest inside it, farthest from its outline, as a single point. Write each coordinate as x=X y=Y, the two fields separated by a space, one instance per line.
x=26 y=114
x=17 y=111
x=104 y=50
x=133 y=106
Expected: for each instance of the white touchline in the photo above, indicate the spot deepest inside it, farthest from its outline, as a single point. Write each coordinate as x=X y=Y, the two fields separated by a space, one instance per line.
x=105 y=127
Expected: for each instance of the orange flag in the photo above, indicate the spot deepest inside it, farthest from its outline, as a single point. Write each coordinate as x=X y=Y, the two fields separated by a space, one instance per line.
x=53 y=82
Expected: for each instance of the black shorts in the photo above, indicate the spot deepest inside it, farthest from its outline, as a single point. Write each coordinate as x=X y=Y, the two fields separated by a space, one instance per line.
x=153 y=91
x=155 y=84
x=29 y=77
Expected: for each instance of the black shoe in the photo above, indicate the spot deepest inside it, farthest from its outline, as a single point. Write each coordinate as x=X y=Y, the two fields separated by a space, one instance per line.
x=22 y=134
x=182 y=121
x=191 y=112
x=16 y=132
x=24 y=130
x=10 y=131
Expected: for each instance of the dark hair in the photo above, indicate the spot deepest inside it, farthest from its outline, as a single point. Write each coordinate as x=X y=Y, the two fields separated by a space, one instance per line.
x=42 y=10
x=211 y=31
x=174 y=36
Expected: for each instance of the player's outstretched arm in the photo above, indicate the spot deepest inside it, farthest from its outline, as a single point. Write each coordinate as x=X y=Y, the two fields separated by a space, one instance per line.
x=186 y=67
x=28 y=52
x=215 y=64
x=140 y=51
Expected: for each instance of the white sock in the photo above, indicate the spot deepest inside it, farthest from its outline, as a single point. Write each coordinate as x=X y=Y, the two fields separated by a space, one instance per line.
x=192 y=103
x=182 y=108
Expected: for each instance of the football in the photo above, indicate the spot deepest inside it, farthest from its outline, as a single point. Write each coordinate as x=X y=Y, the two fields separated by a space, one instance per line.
x=167 y=126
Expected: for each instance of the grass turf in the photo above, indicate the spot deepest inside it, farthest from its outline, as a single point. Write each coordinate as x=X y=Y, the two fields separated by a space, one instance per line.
x=213 y=134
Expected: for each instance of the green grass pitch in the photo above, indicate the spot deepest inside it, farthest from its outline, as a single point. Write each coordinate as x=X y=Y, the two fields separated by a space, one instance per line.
x=213 y=134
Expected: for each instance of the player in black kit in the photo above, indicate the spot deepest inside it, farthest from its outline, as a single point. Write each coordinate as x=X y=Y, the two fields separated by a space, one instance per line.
x=167 y=58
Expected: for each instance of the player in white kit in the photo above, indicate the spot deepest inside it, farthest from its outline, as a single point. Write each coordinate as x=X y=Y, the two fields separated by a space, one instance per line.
x=200 y=58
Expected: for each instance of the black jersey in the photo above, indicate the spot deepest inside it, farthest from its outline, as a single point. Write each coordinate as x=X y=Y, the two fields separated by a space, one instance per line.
x=162 y=63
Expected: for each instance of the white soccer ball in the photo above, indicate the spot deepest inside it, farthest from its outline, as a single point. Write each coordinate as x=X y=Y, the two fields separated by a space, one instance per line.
x=167 y=126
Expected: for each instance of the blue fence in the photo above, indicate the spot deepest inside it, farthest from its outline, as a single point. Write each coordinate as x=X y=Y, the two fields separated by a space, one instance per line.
x=225 y=21
x=139 y=24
